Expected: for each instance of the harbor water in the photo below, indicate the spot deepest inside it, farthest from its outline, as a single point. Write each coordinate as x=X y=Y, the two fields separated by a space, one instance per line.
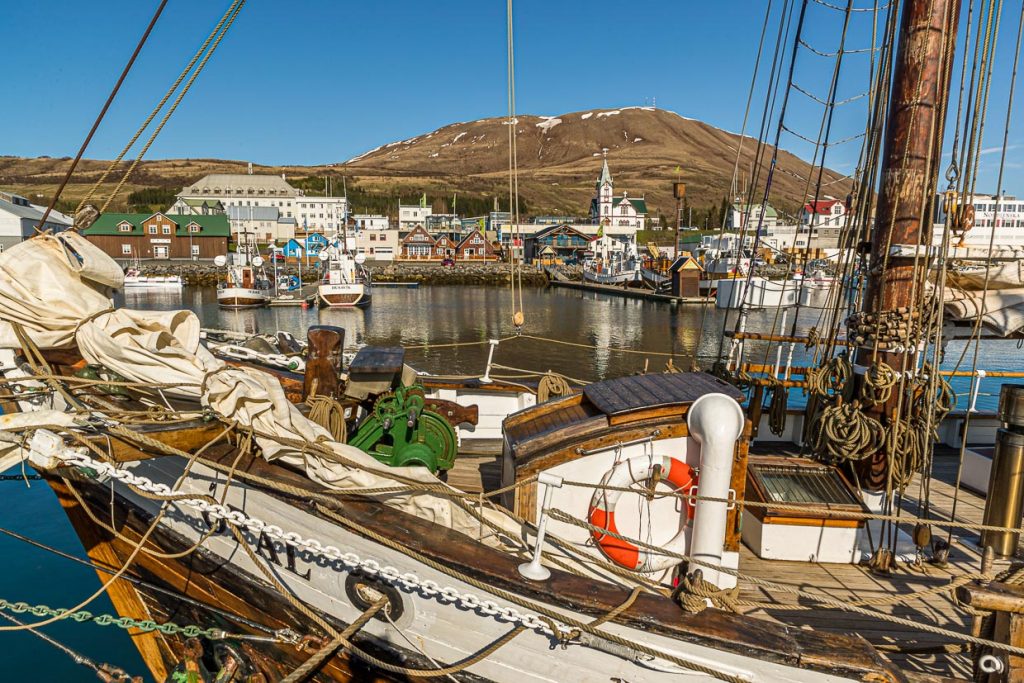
x=582 y=335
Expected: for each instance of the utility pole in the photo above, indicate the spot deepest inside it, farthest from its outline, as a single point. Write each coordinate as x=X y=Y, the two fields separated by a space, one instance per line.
x=679 y=192
x=910 y=168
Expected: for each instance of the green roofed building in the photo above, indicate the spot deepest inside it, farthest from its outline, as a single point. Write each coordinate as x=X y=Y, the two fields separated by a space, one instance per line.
x=160 y=236
x=752 y=215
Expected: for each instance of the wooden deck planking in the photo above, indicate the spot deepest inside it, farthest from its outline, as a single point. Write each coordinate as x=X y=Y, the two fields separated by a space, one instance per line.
x=853 y=582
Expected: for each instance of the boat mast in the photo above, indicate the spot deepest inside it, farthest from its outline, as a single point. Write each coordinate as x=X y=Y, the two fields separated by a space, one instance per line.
x=910 y=162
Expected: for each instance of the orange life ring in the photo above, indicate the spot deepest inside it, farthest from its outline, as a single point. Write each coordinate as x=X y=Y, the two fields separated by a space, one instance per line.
x=602 y=511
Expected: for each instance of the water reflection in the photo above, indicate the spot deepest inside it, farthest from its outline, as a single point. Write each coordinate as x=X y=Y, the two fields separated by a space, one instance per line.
x=436 y=316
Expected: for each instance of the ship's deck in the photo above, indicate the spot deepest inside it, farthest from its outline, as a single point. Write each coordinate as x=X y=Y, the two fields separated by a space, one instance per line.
x=858 y=583
x=931 y=655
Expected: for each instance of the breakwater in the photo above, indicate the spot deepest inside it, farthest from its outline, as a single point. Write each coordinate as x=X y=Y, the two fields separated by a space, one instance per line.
x=207 y=274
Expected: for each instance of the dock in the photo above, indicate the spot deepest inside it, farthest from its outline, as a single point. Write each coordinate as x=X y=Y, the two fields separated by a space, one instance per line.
x=631 y=293
x=300 y=297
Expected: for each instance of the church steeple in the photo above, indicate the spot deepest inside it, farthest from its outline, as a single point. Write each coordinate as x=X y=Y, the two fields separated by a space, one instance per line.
x=606 y=175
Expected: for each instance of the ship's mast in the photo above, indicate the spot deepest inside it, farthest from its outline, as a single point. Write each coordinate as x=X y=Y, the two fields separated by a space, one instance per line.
x=910 y=163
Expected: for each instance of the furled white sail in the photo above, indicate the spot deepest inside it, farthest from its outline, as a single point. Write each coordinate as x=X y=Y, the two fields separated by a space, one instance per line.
x=57 y=287
x=994 y=294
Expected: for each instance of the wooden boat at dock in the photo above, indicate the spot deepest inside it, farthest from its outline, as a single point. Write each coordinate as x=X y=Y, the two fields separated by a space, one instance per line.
x=361 y=520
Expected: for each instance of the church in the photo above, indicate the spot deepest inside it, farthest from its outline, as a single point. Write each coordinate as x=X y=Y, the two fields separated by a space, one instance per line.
x=607 y=209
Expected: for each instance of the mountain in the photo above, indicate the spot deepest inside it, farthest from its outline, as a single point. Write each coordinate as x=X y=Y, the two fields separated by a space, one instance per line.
x=559 y=160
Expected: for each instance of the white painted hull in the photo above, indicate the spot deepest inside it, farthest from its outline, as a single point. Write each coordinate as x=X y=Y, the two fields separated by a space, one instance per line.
x=146 y=282
x=761 y=293
x=443 y=630
x=343 y=295
x=242 y=297
x=610 y=279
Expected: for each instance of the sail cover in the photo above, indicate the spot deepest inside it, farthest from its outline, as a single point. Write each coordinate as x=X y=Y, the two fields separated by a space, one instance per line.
x=57 y=289
x=994 y=294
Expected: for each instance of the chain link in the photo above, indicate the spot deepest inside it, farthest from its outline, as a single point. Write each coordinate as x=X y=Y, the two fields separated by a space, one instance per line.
x=144 y=625
x=368 y=566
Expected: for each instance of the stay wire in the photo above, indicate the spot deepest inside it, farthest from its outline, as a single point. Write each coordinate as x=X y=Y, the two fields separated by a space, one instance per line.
x=99 y=117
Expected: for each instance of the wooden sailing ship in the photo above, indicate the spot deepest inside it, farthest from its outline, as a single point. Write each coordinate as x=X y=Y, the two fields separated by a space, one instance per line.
x=361 y=520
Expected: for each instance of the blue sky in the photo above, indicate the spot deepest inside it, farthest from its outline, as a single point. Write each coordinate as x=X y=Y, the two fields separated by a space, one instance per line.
x=320 y=81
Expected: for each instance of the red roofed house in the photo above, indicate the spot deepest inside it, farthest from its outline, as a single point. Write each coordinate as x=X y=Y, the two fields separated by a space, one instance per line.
x=418 y=245
x=475 y=247
x=824 y=221
x=824 y=212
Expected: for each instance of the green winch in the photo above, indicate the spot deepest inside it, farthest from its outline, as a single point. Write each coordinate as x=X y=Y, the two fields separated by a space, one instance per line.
x=401 y=431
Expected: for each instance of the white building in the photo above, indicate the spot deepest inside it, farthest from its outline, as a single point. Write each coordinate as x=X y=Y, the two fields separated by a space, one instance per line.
x=409 y=216
x=365 y=221
x=1008 y=226
x=320 y=214
x=19 y=216
x=607 y=209
x=260 y=225
x=377 y=245
x=237 y=189
x=751 y=216
x=824 y=213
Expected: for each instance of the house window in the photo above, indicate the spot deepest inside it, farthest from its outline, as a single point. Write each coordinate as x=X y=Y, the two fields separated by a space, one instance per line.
x=193 y=227
x=152 y=230
x=470 y=251
x=167 y=230
x=126 y=250
x=125 y=227
x=373 y=238
x=195 y=250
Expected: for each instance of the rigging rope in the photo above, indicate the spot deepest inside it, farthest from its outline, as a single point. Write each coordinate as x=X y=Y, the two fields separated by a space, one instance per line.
x=235 y=8
x=99 y=117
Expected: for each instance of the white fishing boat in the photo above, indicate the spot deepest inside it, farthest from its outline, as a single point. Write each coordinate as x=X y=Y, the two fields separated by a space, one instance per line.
x=134 y=279
x=244 y=286
x=345 y=283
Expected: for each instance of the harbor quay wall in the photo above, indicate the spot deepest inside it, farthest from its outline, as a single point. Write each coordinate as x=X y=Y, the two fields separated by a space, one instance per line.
x=207 y=275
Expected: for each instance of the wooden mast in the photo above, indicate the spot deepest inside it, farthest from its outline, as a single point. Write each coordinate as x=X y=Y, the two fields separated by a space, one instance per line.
x=910 y=163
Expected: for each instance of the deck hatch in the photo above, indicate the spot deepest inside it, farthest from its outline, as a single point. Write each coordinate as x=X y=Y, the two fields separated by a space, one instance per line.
x=802 y=484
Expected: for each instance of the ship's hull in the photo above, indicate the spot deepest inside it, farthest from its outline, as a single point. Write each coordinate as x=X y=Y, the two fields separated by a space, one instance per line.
x=241 y=297
x=144 y=282
x=344 y=295
x=224 y=587
x=610 y=279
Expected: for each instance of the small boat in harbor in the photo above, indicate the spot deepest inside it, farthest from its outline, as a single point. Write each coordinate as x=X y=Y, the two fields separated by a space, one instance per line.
x=134 y=279
x=346 y=283
x=244 y=286
x=757 y=292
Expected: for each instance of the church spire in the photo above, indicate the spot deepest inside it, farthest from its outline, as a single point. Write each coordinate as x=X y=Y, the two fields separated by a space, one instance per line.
x=606 y=175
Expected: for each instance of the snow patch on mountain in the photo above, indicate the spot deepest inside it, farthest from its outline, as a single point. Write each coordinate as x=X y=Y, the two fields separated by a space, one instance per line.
x=548 y=123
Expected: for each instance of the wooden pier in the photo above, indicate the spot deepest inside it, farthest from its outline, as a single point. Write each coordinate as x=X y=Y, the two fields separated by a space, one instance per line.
x=631 y=292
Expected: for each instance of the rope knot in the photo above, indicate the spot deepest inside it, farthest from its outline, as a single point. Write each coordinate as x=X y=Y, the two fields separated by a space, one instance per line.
x=694 y=593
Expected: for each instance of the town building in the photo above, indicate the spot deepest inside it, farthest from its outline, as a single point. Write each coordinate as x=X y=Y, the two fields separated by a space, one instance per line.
x=1002 y=229
x=409 y=216
x=822 y=224
x=260 y=225
x=377 y=245
x=237 y=189
x=365 y=221
x=19 y=218
x=128 y=236
x=417 y=245
x=752 y=216
x=475 y=247
x=609 y=210
x=557 y=244
x=321 y=214
x=197 y=207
